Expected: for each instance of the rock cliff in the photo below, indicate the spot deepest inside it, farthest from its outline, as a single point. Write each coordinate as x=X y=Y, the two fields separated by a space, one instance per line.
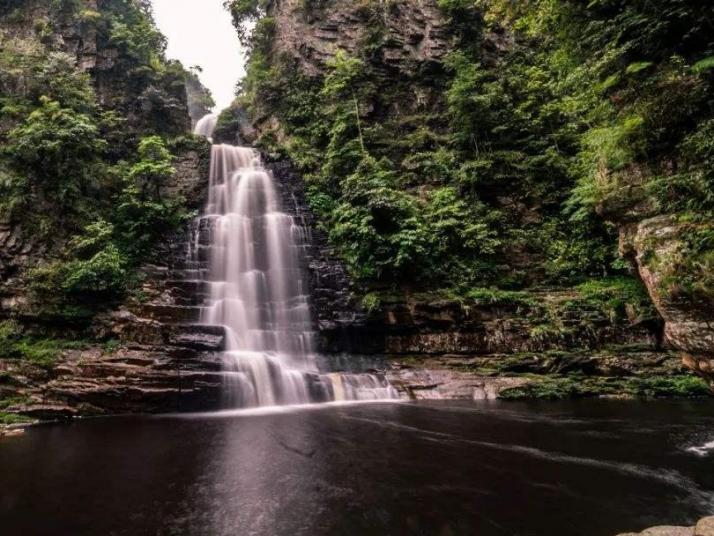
x=412 y=43
x=102 y=60
x=415 y=32
x=657 y=245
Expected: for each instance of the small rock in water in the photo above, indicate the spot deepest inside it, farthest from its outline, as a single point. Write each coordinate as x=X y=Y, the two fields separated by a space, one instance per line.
x=705 y=527
x=668 y=531
x=11 y=432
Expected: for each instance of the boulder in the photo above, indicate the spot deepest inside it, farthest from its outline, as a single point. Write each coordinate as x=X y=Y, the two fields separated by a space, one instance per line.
x=705 y=527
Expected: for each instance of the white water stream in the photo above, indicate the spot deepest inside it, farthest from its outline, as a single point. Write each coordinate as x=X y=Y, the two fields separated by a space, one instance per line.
x=257 y=290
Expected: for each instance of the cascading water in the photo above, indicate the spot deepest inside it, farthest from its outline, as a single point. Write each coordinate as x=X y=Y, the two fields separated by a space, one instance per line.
x=257 y=291
x=206 y=125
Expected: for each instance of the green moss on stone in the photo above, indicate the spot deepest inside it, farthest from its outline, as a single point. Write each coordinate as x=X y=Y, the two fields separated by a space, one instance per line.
x=13 y=418
x=563 y=387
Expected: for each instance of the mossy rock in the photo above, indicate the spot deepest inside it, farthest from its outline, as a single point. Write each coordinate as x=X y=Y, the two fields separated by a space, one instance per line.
x=565 y=387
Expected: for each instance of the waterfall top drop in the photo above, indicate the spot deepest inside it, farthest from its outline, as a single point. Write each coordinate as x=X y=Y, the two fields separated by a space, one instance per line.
x=206 y=126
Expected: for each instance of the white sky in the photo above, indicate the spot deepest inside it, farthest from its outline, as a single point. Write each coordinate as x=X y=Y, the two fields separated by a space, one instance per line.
x=200 y=32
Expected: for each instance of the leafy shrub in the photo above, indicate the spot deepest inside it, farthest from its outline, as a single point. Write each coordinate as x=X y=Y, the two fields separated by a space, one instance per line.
x=97 y=264
x=58 y=148
x=614 y=295
x=38 y=351
x=371 y=303
x=13 y=418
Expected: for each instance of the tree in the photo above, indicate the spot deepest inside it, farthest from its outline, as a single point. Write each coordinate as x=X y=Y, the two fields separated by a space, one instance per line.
x=58 y=148
x=153 y=168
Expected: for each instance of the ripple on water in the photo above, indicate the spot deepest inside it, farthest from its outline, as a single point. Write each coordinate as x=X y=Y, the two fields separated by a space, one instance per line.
x=702 y=450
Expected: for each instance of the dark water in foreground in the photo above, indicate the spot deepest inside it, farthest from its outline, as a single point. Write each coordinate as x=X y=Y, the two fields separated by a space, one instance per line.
x=445 y=469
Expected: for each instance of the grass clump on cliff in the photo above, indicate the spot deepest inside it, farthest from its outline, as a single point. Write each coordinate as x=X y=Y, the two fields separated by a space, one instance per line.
x=687 y=270
x=9 y=419
x=42 y=352
x=495 y=296
x=618 y=297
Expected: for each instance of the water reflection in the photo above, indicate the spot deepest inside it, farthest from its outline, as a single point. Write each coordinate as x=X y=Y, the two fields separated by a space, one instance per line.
x=428 y=468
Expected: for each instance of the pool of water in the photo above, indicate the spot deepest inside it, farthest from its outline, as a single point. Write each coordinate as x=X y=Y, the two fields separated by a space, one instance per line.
x=437 y=468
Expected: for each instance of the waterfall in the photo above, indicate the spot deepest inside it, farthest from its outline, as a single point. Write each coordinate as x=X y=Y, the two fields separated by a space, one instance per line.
x=257 y=290
x=206 y=125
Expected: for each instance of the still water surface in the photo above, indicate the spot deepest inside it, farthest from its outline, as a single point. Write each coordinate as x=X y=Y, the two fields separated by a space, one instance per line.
x=437 y=468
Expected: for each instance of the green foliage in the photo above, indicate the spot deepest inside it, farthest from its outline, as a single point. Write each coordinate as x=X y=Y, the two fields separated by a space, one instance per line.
x=371 y=303
x=494 y=296
x=153 y=168
x=677 y=386
x=494 y=167
x=82 y=180
x=13 y=418
x=564 y=387
x=111 y=346
x=41 y=352
x=6 y=402
x=245 y=14
x=9 y=332
x=691 y=189
x=97 y=264
x=101 y=275
x=377 y=226
x=142 y=215
x=618 y=296
x=229 y=123
x=58 y=149
x=686 y=271
x=704 y=65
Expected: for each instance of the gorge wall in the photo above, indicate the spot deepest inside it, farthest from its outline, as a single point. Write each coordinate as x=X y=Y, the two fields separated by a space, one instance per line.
x=100 y=176
x=410 y=118
x=466 y=194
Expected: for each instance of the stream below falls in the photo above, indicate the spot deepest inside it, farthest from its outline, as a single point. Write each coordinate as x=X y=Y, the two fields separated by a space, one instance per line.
x=586 y=468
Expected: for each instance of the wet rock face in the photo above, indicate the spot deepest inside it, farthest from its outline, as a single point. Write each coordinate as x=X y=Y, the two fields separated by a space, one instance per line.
x=312 y=32
x=191 y=162
x=688 y=326
x=17 y=253
x=160 y=359
x=433 y=380
x=333 y=306
x=132 y=379
x=414 y=326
